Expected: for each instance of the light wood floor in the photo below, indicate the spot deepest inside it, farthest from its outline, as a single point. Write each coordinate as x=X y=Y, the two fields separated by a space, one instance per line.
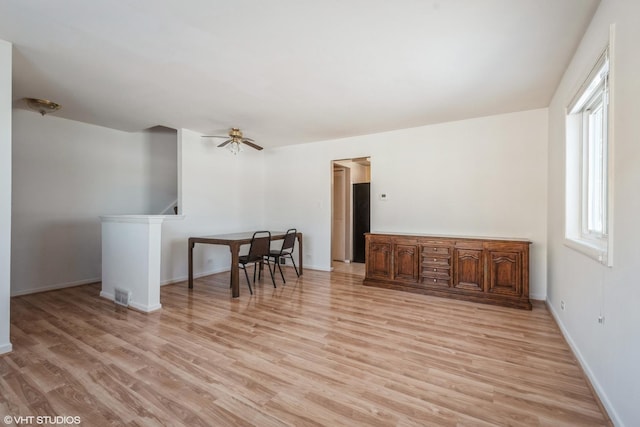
x=322 y=350
x=351 y=267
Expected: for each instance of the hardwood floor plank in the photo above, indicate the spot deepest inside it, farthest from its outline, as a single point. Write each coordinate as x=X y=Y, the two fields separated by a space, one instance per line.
x=131 y=406
x=319 y=350
x=28 y=394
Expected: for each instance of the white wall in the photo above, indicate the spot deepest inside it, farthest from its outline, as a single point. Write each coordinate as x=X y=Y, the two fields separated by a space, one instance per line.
x=5 y=193
x=219 y=193
x=481 y=177
x=161 y=167
x=609 y=352
x=65 y=175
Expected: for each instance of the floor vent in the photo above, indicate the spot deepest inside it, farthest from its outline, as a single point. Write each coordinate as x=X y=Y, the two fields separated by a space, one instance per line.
x=122 y=297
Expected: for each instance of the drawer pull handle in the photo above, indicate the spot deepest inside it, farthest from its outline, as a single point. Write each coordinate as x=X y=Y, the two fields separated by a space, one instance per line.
x=434 y=259
x=435 y=280
x=435 y=249
x=435 y=269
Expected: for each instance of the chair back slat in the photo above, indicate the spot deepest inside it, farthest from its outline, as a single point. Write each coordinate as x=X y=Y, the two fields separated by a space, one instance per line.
x=260 y=244
x=289 y=240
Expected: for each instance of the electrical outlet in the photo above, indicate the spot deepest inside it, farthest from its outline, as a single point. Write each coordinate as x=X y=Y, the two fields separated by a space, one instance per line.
x=601 y=319
x=282 y=261
x=562 y=305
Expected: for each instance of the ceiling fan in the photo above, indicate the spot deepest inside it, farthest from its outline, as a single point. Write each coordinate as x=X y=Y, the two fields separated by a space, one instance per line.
x=235 y=138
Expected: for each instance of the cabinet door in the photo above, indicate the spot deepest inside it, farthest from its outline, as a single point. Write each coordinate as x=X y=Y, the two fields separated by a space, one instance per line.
x=468 y=269
x=504 y=271
x=405 y=261
x=379 y=260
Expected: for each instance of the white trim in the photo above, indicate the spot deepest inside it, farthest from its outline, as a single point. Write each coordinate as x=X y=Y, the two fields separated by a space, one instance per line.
x=144 y=219
x=169 y=209
x=134 y=305
x=145 y=308
x=180 y=279
x=590 y=249
x=195 y=276
x=586 y=368
x=174 y=217
x=317 y=268
x=56 y=287
x=599 y=249
x=6 y=348
x=611 y=145
x=538 y=297
x=162 y=283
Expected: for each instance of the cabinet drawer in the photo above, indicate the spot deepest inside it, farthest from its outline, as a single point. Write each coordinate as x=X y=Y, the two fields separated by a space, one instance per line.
x=436 y=281
x=435 y=261
x=436 y=271
x=428 y=250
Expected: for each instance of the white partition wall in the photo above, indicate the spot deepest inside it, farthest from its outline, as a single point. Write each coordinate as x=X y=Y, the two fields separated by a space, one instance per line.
x=5 y=193
x=131 y=259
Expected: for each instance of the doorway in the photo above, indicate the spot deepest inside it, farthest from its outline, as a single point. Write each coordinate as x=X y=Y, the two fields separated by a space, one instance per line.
x=350 y=213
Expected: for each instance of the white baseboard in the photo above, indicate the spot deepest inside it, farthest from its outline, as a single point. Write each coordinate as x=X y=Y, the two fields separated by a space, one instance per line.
x=318 y=268
x=195 y=276
x=56 y=286
x=144 y=308
x=586 y=368
x=107 y=295
x=162 y=282
x=225 y=269
x=132 y=304
x=5 y=348
x=538 y=297
x=99 y=279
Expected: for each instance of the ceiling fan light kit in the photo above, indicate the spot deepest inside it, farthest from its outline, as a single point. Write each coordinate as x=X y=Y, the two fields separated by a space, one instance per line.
x=235 y=147
x=42 y=106
x=235 y=141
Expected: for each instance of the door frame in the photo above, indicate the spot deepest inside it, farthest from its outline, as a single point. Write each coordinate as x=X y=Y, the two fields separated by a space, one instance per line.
x=363 y=161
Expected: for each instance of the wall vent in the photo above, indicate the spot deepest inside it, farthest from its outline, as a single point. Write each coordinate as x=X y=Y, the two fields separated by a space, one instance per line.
x=122 y=297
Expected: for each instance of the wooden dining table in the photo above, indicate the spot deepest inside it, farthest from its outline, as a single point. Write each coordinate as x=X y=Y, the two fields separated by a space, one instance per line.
x=235 y=241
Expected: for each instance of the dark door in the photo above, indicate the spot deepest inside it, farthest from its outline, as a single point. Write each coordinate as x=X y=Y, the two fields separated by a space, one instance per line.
x=361 y=219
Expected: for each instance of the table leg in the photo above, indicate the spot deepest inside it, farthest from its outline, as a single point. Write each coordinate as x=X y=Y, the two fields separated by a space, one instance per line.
x=235 y=270
x=191 y=245
x=300 y=253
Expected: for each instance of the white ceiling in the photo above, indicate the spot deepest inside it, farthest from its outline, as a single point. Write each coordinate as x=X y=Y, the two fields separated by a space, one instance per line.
x=290 y=71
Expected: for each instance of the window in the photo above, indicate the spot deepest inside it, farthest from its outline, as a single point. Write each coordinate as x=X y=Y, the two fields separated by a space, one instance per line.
x=588 y=205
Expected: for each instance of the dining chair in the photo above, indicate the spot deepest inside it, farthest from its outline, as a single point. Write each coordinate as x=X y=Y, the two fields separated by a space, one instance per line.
x=285 y=251
x=258 y=252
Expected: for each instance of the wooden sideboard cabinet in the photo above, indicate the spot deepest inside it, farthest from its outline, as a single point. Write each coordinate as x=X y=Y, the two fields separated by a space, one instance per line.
x=493 y=271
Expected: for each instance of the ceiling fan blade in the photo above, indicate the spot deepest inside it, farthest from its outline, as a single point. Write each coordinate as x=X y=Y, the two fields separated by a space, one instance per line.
x=214 y=136
x=248 y=139
x=225 y=143
x=251 y=144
